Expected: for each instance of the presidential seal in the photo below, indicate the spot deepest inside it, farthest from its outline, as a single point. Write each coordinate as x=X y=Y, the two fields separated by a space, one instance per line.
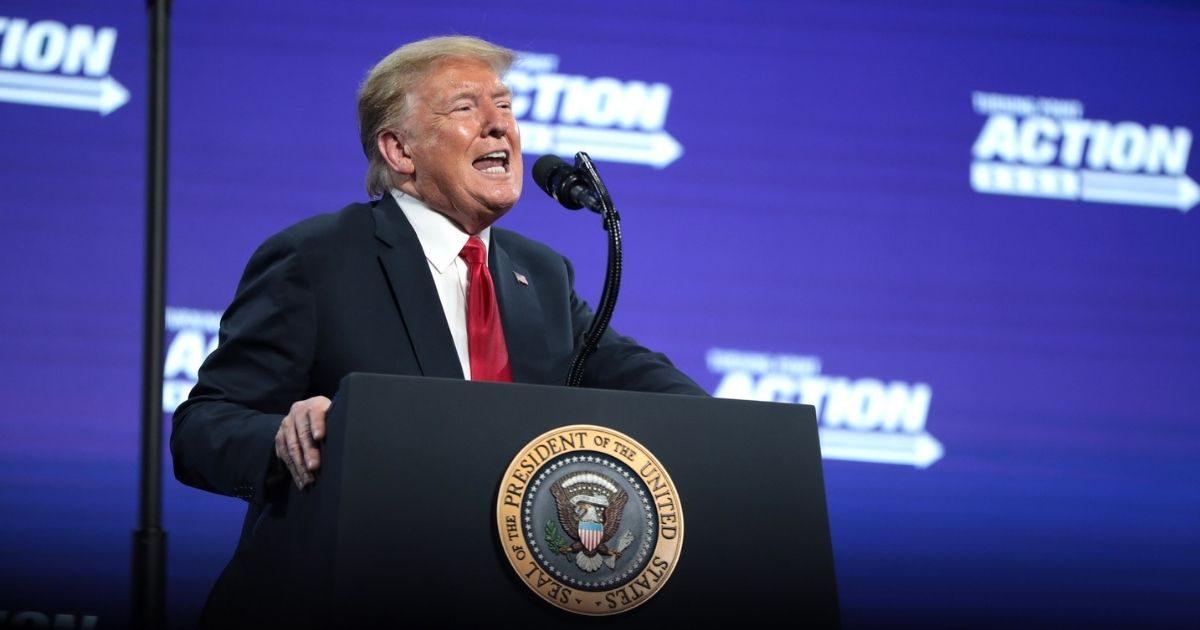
x=589 y=520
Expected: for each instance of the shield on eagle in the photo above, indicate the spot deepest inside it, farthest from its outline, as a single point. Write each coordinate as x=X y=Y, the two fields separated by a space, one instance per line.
x=591 y=523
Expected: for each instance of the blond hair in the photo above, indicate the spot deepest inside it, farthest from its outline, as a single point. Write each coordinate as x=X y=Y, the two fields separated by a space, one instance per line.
x=383 y=96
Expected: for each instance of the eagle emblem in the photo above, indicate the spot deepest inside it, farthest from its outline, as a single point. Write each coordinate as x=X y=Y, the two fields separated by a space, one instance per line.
x=589 y=507
x=589 y=520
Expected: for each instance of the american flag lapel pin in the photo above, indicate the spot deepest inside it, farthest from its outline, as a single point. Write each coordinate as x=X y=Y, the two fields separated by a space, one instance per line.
x=521 y=278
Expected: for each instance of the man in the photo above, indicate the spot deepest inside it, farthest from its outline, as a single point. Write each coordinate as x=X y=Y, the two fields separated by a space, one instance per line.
x=388 y=287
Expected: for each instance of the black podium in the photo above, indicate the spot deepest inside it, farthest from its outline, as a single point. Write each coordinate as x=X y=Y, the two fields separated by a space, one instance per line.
x=401 y=523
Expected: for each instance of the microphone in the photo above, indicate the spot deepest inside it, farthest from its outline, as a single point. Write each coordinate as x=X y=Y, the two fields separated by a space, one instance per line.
x=575 y=187
x=563 y=182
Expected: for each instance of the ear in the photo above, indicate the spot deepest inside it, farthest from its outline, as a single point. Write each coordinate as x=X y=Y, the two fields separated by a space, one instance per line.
x=395 y=152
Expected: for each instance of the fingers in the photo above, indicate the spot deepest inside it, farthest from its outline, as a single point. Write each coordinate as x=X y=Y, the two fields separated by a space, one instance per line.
x=296 y=442
x=282 y=451
x=311 y=428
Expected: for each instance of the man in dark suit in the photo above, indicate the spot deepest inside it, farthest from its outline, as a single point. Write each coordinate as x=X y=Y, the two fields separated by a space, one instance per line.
x=381 y=287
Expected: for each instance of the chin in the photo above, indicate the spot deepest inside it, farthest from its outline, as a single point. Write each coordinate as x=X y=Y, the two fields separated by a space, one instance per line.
x=503 y=202
x=499 y=210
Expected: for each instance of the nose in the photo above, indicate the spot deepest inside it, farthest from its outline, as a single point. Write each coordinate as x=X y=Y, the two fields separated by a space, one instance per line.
x=496 y=121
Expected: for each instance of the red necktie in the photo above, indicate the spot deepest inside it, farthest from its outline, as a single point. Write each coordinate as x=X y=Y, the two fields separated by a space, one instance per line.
x=485 y=337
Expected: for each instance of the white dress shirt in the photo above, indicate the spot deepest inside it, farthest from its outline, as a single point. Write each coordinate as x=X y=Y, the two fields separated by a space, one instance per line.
x=442 y=241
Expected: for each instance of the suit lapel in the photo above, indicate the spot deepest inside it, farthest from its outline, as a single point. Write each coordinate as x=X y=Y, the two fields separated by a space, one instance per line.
x=412 y=288
x=520 y=314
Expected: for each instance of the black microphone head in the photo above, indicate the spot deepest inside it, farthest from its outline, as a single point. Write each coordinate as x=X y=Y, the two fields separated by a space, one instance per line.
x=544 y=172
x=555 y=177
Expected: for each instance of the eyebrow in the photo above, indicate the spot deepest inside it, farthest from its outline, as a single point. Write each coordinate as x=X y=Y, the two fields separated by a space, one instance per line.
x=501 y=91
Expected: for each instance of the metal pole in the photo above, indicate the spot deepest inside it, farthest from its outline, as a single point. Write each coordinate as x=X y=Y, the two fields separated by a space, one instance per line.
x=149 y=539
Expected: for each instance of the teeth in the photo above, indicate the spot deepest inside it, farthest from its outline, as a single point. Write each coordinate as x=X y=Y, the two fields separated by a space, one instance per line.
x=494 y=169
x=497 y=154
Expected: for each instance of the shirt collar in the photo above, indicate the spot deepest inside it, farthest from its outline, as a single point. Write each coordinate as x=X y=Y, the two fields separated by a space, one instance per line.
x=441 y=239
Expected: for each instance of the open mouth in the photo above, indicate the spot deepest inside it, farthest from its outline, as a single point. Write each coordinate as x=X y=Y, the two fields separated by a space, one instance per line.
x=494 y=162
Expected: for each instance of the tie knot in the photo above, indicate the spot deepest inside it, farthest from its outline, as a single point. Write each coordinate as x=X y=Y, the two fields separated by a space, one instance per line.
x=474 y=252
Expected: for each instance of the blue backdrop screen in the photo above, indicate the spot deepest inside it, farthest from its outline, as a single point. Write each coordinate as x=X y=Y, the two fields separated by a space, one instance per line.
x=964 y=232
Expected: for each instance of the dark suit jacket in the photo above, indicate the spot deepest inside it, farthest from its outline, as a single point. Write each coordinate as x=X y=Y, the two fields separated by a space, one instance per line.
x=351 y=292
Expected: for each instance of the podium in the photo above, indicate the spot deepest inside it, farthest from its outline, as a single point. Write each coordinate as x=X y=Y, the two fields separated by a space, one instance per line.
x=401 y=523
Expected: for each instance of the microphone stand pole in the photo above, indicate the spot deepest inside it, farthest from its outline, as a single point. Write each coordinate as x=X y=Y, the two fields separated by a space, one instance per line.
x=612 y=276
x=149 y=540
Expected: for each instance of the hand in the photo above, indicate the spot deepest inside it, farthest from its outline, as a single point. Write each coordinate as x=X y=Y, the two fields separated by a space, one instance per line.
x=297 y=438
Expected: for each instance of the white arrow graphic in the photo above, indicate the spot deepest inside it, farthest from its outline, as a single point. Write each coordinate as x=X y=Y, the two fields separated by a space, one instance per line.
x=657 y=149
x=1163 y=191
x=103 y=95
x=915 y=449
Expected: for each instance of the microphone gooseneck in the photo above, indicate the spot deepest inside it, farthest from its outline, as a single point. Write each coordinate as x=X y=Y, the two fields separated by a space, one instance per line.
x=579 y=187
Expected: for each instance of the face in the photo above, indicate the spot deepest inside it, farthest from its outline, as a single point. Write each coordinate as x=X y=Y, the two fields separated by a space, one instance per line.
x=459 y=148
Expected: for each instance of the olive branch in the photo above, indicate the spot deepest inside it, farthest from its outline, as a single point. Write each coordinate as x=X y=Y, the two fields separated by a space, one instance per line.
x=554 y=538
